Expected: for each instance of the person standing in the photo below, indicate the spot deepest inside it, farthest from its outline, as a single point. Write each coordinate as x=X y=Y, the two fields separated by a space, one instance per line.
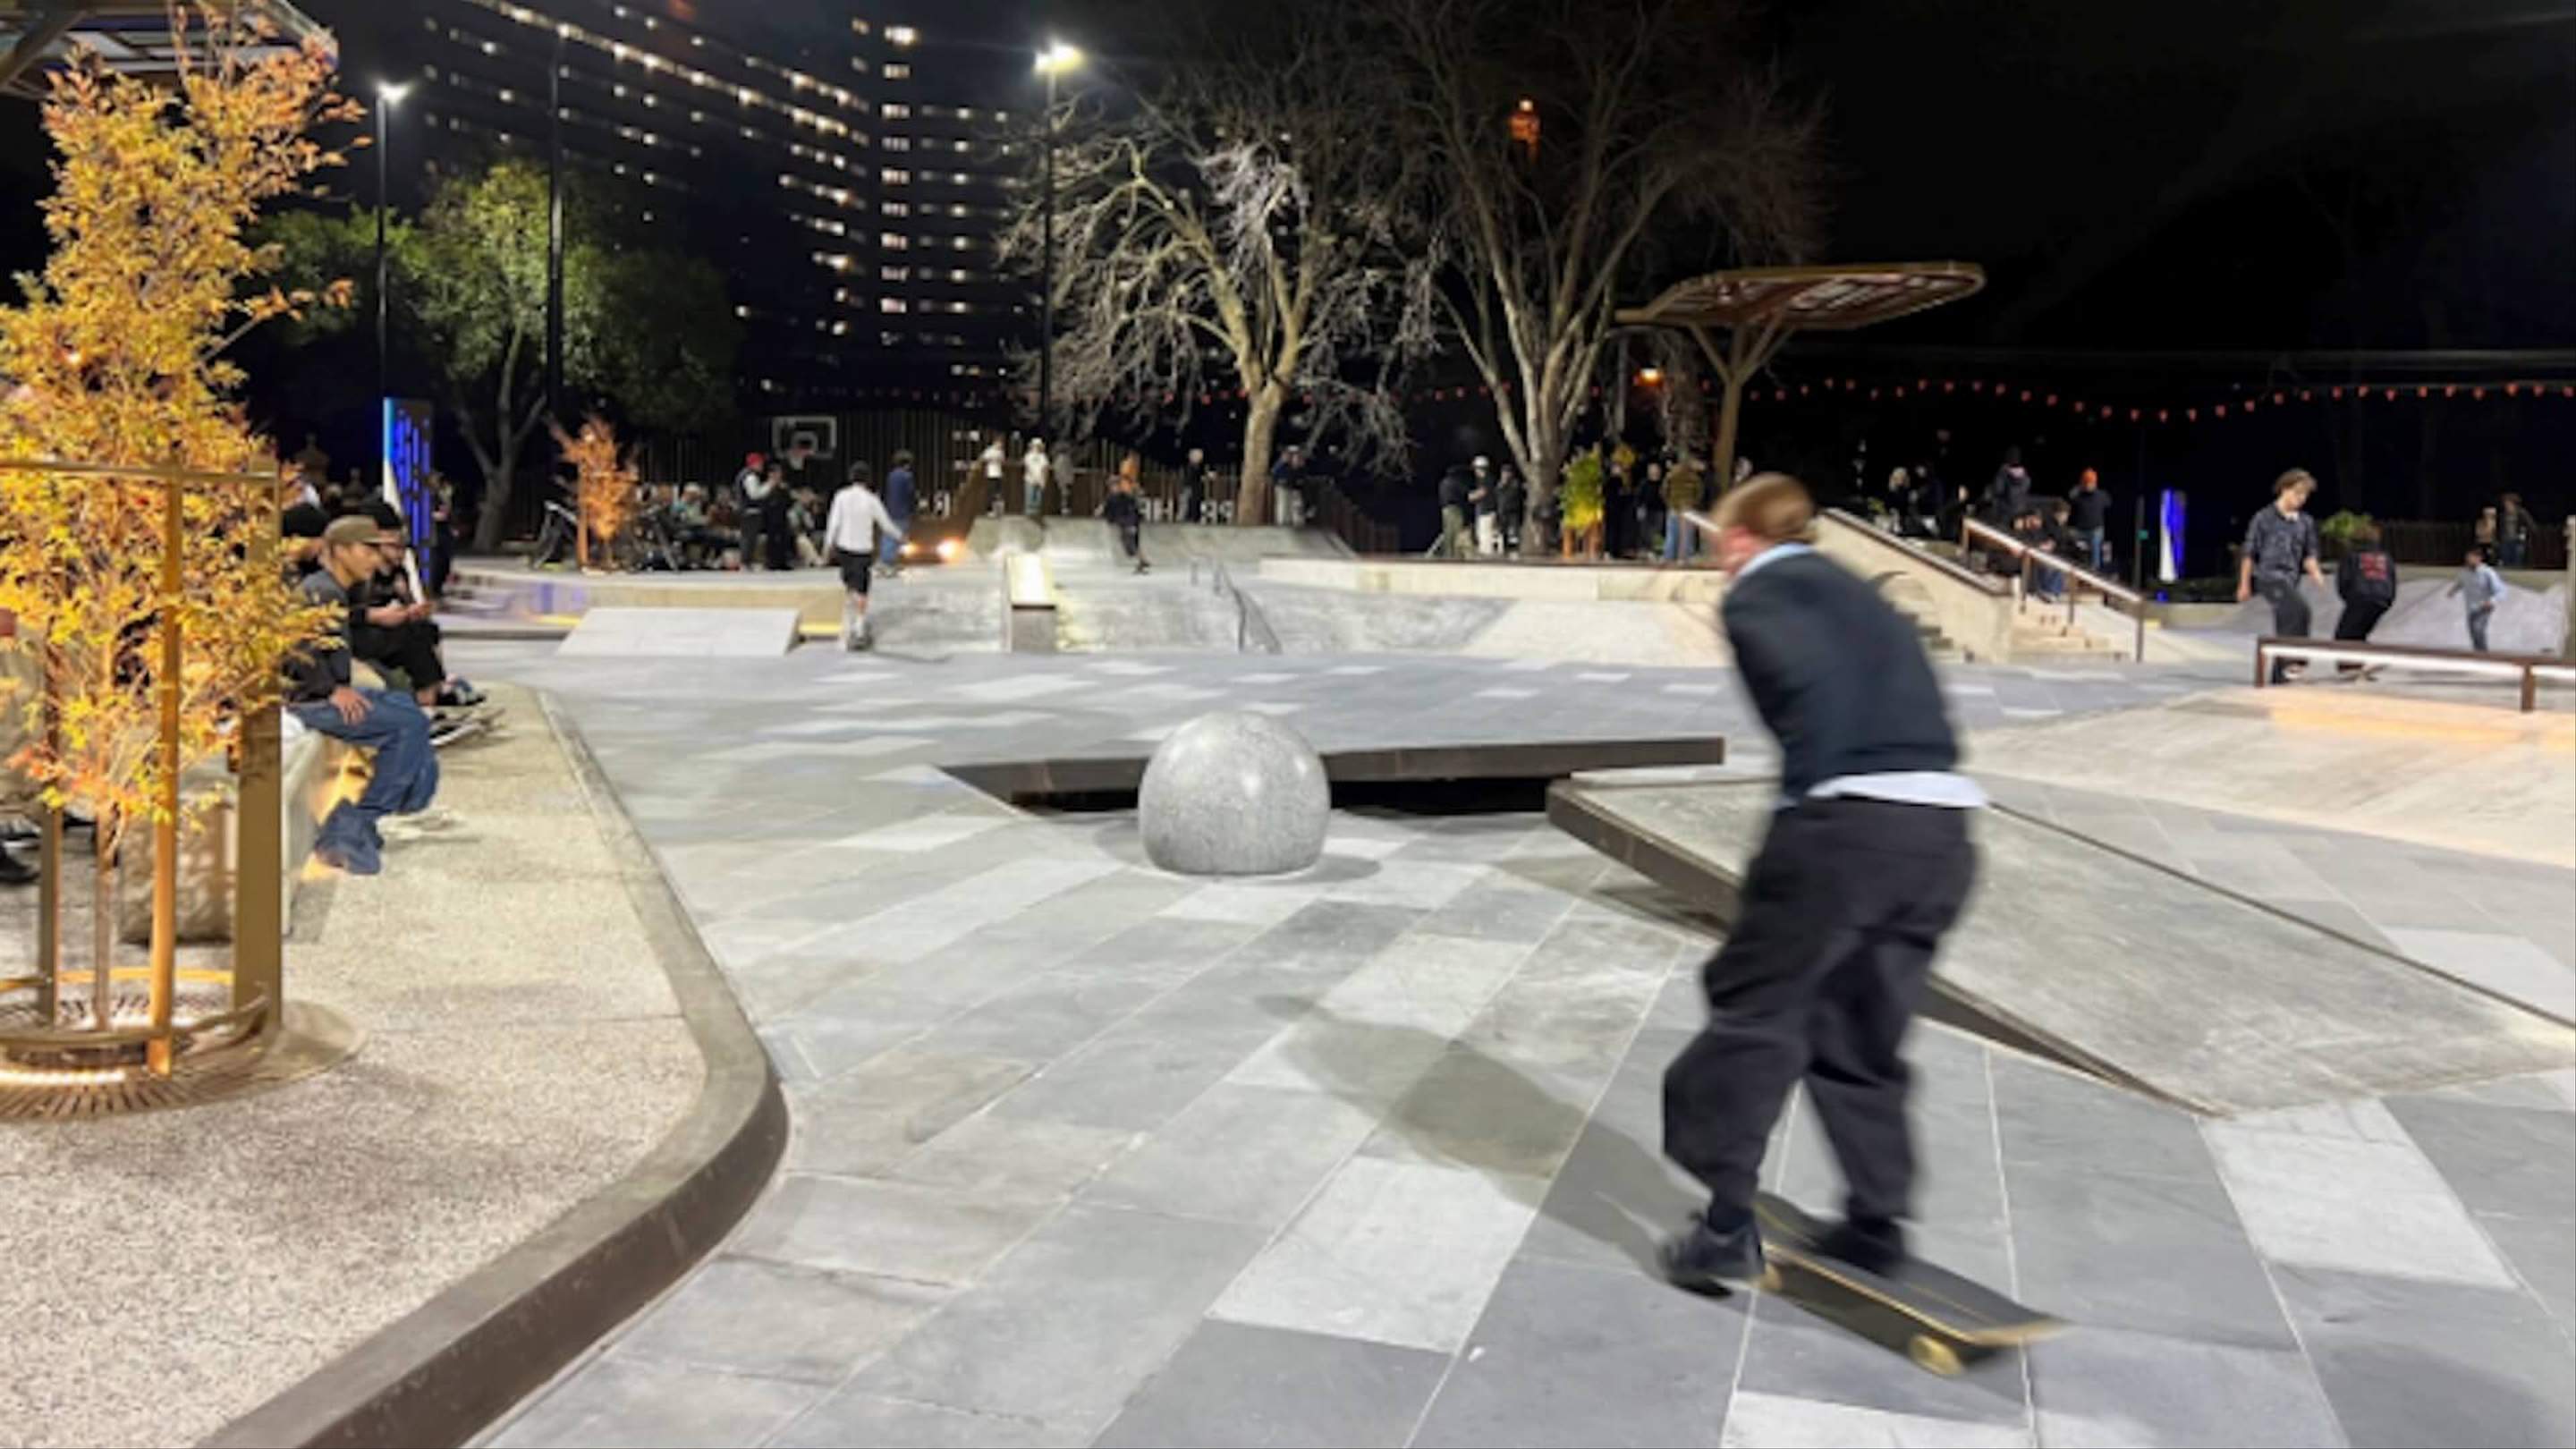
x=1866 y=864
x=747 y=493
x=2366 y=581
x=1454 y=502
x=993 y=458
x=2280 y=550
x=858 y=523
x=2008 y=497
x=774 y=503
x=1126 y=514
x=902 y=495
x=2089 y=518
x=2479 y=586
x=1287 y=472
x=2514 y=528
x=2483 y=532
x=1033 y=477
x=1482 y=496
x=1514 y=503
x=1681 y=495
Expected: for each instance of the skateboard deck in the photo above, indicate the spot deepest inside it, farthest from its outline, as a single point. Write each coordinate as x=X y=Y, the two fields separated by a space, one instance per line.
x=1953 y=1322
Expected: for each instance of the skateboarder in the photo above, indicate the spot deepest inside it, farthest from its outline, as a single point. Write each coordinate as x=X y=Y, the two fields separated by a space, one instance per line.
x=1866 y=863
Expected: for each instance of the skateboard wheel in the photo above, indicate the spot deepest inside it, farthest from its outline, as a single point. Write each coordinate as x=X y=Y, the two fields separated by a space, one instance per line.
x=1933 y=1356
x=1770 y=1281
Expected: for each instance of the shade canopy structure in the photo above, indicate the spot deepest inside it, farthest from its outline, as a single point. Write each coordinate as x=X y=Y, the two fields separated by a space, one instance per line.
x=130 y=36
x=1761 y=308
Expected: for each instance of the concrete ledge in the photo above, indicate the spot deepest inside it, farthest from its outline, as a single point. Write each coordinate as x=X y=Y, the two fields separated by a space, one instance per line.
x=1471 y=579
x=442 y=1372
x=1555 y=759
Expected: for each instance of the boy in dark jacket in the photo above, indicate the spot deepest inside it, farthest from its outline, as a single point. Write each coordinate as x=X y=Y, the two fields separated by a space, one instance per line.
x=2366 y=581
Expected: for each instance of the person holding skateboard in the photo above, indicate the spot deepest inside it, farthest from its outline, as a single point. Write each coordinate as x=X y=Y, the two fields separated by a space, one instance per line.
x=1866 y=864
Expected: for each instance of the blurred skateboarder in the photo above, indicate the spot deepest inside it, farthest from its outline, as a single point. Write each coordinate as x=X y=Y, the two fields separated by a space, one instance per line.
x=1866 y=863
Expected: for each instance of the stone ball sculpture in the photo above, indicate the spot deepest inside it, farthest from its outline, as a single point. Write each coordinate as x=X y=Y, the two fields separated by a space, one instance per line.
x=1234 y=794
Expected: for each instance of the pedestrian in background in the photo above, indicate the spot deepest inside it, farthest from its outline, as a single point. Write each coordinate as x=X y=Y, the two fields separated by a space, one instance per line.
x=2514 y=528
x=1681 y=495
x=902 y=495
x=2479 y=586
x=1033 y=476
x=1454 y=503
x=2089 y=518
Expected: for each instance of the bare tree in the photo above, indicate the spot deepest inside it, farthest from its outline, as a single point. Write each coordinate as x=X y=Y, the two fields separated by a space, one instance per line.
x=1237 y=233
x=1567 y=142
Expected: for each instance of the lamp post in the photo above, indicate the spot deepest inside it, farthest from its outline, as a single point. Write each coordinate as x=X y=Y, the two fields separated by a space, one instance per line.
x=1053 y=62
x=389 y=94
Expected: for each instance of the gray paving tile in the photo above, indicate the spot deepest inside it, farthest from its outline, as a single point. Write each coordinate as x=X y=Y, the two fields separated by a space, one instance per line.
x=1234 y=1384
x=1134 y=1078
x=1042 y=1019
x=1239 y=1154
x=848 y=1420
x=611 y=1405
x=749 y=1316
x=1768 y=1421
x=1473 y=1111
x=2153 y=1254
x=873 y=1116
x=1033 y=1338
x=2543 y=1254
x=1395 y=1252
x=2502 y=1160
x=892 y=1229
x=2100 y=1388
x=1794 y=1352
x=1611 y=1203
x=1004 y=1157
x=2057 y=1120
x=1573 y=1356
x=2410 y=1362
x=2296 y=1194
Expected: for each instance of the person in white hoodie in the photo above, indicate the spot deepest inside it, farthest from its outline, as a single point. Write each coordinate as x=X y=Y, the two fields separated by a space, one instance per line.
x=857 y=523
x=1033 y=475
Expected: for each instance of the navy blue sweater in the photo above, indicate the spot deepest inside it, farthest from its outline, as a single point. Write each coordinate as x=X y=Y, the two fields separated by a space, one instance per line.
x=1838 y=676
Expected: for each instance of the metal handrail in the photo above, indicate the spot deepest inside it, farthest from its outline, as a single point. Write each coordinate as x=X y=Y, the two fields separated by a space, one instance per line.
x=2527 y=668
x=1971 y=531
x=1956 y=572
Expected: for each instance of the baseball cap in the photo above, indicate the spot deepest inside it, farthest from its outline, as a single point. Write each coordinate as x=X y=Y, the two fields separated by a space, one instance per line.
x=355 y=528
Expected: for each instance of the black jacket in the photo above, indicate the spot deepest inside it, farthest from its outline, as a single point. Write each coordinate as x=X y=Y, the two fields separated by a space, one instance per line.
x=1454 y=486
x=1839 y=677
x=2088 y=509
x=2367 y=577
x=1121 y=509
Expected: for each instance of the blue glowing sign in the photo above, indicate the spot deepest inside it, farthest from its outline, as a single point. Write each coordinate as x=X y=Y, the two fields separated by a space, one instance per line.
x=406 y=480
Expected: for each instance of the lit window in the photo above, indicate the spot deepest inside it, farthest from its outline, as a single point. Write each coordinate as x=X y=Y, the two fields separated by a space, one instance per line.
x=957 y=177
x=892 y=304
x=897 y=70
x=895 y=176
x=895 y=274
x=898 y=143
x=896 y=111
x=963 y=147
x=893 y=241
x=902 y=34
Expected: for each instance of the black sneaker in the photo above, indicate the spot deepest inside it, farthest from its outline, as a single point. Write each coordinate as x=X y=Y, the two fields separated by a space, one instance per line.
x=1704 y=1260
x=1873 y=1245
x=14 y=872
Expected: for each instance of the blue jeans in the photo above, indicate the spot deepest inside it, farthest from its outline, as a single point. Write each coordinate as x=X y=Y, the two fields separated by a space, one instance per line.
x=1677 y=538
x=890 y=547
x=2478 y=628
x=2096 y=550
x=2512 y=553
x=404 y=775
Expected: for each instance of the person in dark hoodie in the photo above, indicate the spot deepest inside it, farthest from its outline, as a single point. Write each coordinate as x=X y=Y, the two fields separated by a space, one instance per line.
x=1866 y=864
x=902 y=495
x=2366 y=581
x=1455 y=490
x=1126 y=514
x=2008 y=498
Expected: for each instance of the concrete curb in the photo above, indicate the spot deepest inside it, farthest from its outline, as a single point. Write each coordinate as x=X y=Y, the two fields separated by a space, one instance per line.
x=442 y=1372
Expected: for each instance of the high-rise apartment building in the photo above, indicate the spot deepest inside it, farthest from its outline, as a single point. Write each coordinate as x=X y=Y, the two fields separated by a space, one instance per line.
x=849 y=192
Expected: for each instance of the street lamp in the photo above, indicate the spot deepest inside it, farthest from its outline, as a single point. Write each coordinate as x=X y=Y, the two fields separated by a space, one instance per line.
x=389 y=94
x=1053 y=62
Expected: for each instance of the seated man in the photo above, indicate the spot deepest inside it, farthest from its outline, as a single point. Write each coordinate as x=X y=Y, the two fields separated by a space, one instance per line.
x=318 y=693
x=392 y=631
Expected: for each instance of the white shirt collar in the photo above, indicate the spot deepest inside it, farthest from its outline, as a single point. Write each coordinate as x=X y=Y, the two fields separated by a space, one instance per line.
x=1775 y=551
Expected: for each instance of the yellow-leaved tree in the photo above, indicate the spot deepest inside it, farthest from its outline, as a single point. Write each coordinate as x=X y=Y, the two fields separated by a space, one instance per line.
x=603 y=485
x=116 y=356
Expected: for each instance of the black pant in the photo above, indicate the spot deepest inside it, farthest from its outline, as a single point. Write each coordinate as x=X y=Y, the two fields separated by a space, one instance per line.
x=1842 y=912
x=411 y=648
x=1131 y=538
x=2289 y=613
x=2360 y=616
x=777 y=542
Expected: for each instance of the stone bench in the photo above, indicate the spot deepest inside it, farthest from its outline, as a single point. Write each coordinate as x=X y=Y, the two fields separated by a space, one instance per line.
x=1029 y=605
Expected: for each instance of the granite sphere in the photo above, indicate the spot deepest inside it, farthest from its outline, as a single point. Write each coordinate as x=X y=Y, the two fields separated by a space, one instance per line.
x=1234 y=794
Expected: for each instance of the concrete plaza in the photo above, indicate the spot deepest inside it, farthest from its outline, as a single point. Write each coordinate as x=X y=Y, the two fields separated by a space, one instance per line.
x=1084 y=1153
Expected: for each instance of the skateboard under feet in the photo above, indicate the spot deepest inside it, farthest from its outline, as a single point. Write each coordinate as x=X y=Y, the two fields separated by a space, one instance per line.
x=1947 y=1323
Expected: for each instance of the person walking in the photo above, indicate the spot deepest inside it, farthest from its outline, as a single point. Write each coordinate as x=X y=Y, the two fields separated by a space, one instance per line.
x=1455 y=489
x=2281 y=549
x=2366 y=581
x=2089 y=519
x=902 y=496
x=1865 y=865
x=1125 y=513
x=1033 y=477
x=858 y=525
x=2479 y=586
x=2514 y=529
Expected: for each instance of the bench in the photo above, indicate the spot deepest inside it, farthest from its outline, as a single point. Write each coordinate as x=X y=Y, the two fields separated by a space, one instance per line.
x=2529 y=669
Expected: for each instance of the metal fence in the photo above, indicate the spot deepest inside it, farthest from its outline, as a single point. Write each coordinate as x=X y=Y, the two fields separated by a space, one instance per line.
x=2443 y=541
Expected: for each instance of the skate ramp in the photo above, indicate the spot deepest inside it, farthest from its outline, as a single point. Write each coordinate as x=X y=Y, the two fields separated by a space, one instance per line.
x=2477 y=778
x=2527 y=621
x=631 y=633
x=2148 y=978
x=1087 y=541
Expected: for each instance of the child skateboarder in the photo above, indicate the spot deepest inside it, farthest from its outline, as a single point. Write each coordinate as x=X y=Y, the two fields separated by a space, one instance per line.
x=858 y=521
x=1866 y=864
